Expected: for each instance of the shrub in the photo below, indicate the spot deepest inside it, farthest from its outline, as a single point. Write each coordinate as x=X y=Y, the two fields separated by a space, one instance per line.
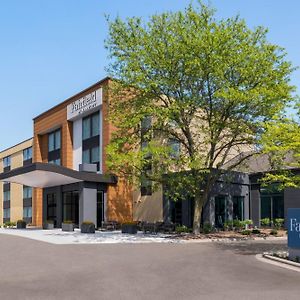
x=182 y=229
x=278 y=223
x=274 y=232
x=246 y=232
x=237 y=224
x=207 y=228
x=265 y=222
x=87 y=222
x=246 y=223
x=255 y=231
x=68 y=222
x=228 y=225
x=9 y=224
x=130 y=223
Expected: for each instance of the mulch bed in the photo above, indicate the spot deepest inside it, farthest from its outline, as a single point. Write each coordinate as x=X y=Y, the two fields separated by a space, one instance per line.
x=231 y=235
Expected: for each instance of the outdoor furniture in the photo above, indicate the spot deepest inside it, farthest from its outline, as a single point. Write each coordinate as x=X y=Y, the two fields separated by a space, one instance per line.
x=167 y=227
x=110 y=225
x=149 y=227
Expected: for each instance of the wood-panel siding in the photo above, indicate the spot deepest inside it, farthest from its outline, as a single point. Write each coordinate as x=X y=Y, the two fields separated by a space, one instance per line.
x=119 y=198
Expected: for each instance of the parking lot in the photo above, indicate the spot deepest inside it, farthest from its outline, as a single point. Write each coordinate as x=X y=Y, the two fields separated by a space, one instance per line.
x=37 y=270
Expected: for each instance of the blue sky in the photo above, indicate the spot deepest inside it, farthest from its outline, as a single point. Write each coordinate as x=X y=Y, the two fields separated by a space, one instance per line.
x=52 y=49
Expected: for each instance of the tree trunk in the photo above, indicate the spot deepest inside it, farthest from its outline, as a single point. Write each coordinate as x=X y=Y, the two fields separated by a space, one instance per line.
x=199 y=201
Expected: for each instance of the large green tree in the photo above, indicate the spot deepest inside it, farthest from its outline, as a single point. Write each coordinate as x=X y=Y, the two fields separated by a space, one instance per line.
x=208 y=86
x=281 y=142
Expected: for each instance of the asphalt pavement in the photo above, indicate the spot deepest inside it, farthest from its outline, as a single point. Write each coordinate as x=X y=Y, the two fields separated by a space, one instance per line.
x=36 y=270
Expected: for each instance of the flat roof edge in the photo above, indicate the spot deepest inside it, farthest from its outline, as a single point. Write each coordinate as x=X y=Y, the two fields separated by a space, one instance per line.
x=81 y=176
x=18 y=144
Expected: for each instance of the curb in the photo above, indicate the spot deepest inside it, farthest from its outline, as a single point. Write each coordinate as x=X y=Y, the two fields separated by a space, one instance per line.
x=283 y=263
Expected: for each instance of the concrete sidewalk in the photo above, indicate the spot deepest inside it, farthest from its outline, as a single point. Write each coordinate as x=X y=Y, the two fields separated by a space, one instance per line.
x=57 y=236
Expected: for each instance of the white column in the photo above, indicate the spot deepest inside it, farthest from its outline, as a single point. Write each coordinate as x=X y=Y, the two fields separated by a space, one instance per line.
x=77 y=144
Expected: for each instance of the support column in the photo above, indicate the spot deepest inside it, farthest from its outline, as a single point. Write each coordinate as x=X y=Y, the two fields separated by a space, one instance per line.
x=88 y=204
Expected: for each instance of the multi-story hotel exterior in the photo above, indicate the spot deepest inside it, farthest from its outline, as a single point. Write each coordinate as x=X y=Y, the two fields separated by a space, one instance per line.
x=15 y=199
x=64 y=176
x=68 y=163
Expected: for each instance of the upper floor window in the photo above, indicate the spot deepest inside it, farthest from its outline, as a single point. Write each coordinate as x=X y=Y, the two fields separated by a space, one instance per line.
x=6 y=213
x=6 y=162
x=175 y=147
x=91 y=156
x=27 y=154
x=91 y=126
x=27 y=192
x=54 y=143
x=146 y=125
x=54 y=140
x=6 y=196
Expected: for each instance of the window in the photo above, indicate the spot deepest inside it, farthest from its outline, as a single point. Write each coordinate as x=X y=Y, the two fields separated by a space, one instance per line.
x=91 y=126
x=220 y=210
x=54 y=140
x=91 y=156
x=6 y=162
x=271 y=203
x=6 y=213
x=175 y=147
x=91 y=140
x=6 y=196
x=54 y=143
x=51 y=207
x=27 y=212
x=71 y=206
x=55 y=162
x=146 y=124
x=146 y=187
x=146 y=184
x=238 y=208
x=27 y=192
x=27 y=154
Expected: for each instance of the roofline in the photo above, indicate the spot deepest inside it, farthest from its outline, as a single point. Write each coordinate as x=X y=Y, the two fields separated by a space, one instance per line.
x=77 y=94
x=16 y=145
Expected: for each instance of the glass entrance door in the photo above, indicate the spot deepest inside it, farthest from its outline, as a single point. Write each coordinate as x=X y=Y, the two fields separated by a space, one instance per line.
x=71 y=207
x=220 y=210
x=51 y=208
x=100 y=208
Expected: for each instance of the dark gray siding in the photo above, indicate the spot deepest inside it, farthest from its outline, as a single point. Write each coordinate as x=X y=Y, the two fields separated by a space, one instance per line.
x=255 y=205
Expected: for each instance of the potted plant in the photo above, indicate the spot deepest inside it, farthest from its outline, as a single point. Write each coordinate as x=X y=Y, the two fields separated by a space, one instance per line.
x=21 y=224
x=87 y=227
x=49 y=224
x=129 y=227
x=67 y=226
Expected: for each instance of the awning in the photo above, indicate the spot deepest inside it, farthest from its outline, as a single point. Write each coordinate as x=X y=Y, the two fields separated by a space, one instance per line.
x=42 y=175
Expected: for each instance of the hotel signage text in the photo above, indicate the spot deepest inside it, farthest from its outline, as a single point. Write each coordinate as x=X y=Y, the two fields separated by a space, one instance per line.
x=84 y=105
x=294 y=228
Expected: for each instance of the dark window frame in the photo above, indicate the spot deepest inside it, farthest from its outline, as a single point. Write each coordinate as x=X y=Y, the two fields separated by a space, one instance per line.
x=55 y=154
x=92 y=142
x=7 y=166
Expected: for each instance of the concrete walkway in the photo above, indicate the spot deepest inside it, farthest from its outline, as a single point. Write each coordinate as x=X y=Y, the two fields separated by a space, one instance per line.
x=57 y=236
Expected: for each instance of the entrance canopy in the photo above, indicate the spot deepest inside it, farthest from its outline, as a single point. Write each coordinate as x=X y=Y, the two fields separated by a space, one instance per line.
x=43 y=175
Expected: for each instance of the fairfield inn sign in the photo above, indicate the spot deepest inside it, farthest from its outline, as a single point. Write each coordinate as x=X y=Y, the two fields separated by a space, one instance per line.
x=294 y=227
x=84 y=105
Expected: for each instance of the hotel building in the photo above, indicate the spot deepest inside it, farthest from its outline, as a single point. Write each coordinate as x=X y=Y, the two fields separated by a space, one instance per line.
x=61 y=174
x=15 y=199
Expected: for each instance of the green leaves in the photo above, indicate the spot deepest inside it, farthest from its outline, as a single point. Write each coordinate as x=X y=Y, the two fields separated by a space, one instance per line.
x=209 y=84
